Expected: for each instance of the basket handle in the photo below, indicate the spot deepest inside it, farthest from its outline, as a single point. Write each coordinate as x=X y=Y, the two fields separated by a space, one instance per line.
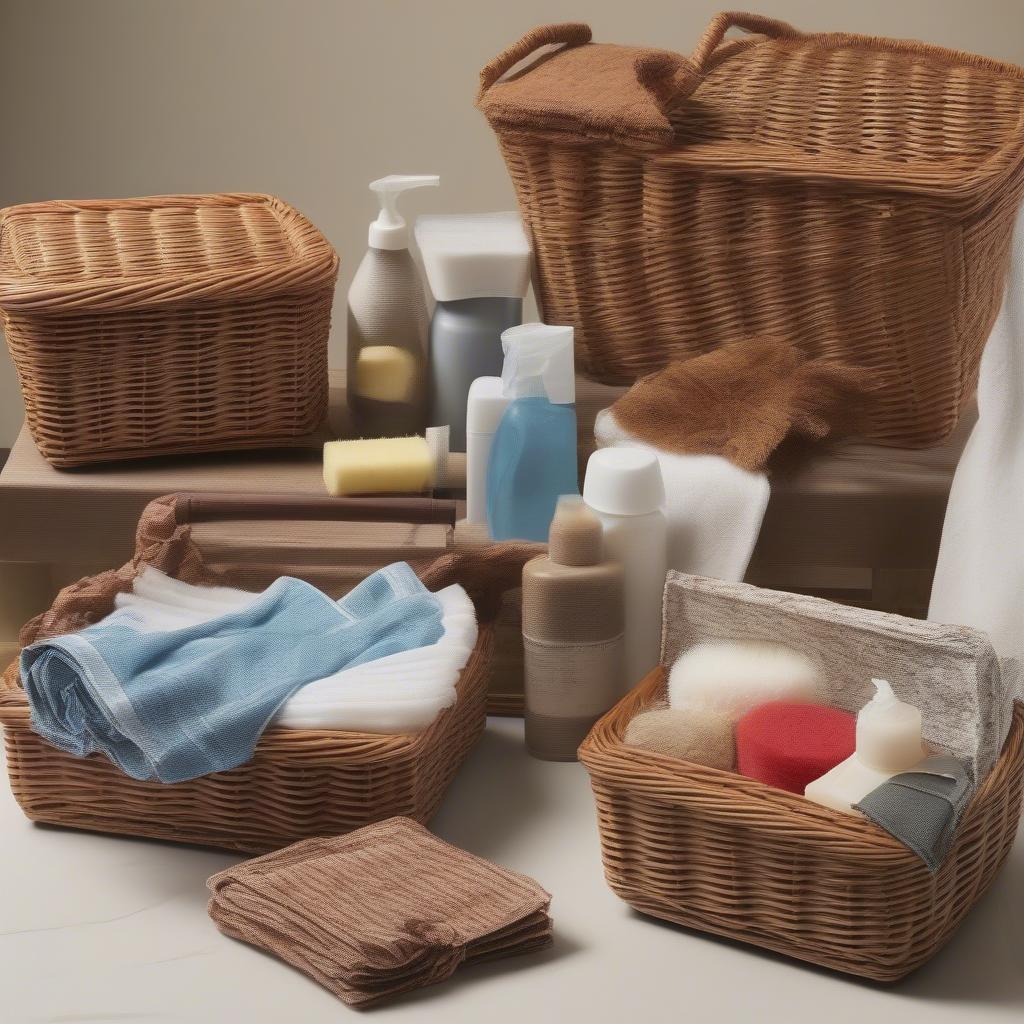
x=571 y=33
x=210 y=507
x=755 y=24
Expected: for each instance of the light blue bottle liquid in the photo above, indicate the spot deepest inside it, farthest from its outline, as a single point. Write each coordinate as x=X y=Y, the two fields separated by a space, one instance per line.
x=533 y=455
x=532 y=463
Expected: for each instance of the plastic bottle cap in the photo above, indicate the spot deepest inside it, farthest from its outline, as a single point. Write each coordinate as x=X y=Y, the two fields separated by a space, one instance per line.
x=389 y=230
x=623 y=482
x=539 y=362
x=485 y=405
x=474 y=255
x=576 y=535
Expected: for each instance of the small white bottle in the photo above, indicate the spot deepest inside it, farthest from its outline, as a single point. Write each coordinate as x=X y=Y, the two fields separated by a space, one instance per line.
x=623 y=486
x=888 y=742
x=484 y=408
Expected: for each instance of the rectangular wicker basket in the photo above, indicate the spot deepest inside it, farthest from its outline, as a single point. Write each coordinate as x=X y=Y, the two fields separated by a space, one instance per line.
x=166 y=325
x=725 y=854
x=300 y=783
x=851 y=194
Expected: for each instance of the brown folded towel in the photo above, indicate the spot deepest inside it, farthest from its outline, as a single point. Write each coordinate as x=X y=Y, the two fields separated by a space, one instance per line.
x=379 y=911
x=742 y=400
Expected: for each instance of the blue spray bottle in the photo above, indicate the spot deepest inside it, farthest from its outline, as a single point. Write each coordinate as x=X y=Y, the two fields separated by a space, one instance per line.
x=533 y=457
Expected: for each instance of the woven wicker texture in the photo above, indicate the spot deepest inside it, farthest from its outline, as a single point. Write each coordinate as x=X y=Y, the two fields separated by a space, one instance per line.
x=174 y=324
x=724 y=854
x=300 y=783
x=852 y=195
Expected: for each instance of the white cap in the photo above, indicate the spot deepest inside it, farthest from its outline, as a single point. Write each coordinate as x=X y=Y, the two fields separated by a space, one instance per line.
x=623 y=482
x=389 y=230
x=539 y=362
x=485 y=405
x=474 y=255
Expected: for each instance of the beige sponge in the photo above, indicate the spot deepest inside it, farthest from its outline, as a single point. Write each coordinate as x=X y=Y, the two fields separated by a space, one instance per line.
x=385 y=373
x=390 y=465
x=694 y=734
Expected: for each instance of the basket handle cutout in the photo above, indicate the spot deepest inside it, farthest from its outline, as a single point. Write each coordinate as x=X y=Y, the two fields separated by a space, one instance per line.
x=566 y=34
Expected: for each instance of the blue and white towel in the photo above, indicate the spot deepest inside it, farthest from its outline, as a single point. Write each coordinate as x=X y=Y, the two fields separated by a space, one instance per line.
x=179 y=703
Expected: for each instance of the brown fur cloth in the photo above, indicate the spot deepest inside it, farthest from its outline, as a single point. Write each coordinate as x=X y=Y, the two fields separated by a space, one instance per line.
x=743 y=400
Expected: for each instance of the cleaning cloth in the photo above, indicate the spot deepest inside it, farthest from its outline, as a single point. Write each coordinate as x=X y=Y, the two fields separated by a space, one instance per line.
x=178 y=703
x=398 y=693
x=922 y=808
x=379 y=911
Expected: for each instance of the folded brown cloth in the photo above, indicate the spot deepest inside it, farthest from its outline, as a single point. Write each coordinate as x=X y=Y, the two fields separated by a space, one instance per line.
x=743 y=400
x=379 y=911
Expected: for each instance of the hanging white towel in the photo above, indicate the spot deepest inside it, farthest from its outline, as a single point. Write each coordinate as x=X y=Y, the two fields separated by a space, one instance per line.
x=979 y=580
x=714 y=509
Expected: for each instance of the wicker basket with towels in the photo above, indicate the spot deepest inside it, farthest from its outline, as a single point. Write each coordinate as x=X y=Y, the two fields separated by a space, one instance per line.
x=851 y=194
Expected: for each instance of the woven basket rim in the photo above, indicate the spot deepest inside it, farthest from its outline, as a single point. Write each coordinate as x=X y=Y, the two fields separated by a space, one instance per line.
x=312 y=269
x=733 y=797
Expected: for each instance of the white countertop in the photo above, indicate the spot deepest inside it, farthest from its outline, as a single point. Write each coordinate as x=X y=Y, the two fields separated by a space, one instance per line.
x=103 y=929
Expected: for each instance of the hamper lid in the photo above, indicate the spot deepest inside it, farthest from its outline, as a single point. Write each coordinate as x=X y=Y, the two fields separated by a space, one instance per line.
x=96 y=255
x=833 y=104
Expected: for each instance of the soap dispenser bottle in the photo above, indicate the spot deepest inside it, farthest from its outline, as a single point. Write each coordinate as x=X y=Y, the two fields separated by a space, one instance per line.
x=533 y=455
x=388 y=324
x=888 y=742
x=573 y=639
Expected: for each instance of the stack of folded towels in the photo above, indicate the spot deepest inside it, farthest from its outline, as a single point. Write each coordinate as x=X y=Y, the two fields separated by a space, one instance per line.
x=180 y=680
x=382 y=910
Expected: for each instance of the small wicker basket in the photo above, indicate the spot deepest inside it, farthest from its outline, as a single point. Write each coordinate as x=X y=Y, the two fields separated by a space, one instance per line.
x=724 y=854
x=853 y=195
x=300 y=783
x=167 y=325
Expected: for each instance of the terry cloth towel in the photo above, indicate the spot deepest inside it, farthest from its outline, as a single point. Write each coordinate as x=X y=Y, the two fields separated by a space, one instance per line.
x=922 y=808
x=176 y=704
x=979 y=579
x=743 y=400
x=399 y=693
x=379 y=911
x=713 y=507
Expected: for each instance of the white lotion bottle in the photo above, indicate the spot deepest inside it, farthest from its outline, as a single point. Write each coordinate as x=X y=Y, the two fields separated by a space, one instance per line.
x=888 y=742
x=484 y=408
x=388 y=324
x=624 y=487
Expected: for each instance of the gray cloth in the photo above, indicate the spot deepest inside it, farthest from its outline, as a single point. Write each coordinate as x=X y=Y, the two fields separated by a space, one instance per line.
x=922 y=808
x=950 y=672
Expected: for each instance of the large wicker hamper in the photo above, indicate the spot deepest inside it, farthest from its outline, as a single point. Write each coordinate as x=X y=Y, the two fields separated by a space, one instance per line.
x=852 y=194
x=166 y=325
x=299 y=783
x=724 y=854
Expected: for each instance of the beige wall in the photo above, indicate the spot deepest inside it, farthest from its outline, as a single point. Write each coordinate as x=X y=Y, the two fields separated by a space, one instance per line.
x=311 y=99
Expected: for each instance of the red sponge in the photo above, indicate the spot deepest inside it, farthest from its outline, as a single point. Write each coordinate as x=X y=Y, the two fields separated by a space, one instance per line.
x=788 y=745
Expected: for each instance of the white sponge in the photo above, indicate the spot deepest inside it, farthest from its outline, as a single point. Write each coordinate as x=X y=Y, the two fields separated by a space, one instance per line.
x=734 y=678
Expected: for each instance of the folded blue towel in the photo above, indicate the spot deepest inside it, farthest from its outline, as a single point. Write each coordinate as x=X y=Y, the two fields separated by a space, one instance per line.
x=177 y=704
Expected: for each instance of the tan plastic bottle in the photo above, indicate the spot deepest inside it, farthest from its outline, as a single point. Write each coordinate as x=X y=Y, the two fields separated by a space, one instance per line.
x=573 y=634
x=388 y=325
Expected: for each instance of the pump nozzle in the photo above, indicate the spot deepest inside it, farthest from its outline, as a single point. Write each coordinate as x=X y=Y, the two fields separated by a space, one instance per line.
x=389 y=230
x=883 y=696
x=539 y=362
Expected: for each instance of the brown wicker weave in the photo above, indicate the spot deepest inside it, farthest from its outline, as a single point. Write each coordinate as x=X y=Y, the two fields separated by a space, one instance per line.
x=851 y=194
x=299 y=783
x=725 y=854
x=173 y=324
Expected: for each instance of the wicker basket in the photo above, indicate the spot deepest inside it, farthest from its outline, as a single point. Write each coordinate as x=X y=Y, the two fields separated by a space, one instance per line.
x=725 y=854
x=854 y=195
x=299 y=783
x=174 y=324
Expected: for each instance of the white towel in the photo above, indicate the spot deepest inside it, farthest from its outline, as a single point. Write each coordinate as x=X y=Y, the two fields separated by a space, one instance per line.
x=714 y=509
x=396 y=694
x=979 y=580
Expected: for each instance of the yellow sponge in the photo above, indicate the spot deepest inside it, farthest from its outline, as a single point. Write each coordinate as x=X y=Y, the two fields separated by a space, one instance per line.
x=385 y=373
x=390 y=465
